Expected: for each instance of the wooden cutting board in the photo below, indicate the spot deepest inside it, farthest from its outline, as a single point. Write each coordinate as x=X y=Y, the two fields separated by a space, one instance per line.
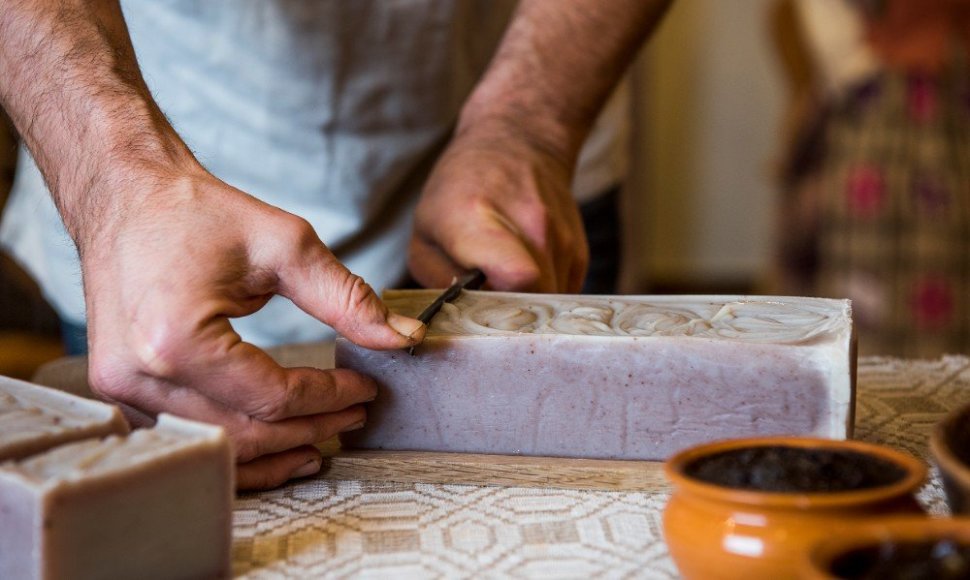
x=480 y=469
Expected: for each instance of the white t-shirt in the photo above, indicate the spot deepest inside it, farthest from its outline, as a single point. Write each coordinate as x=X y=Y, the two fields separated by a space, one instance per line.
x=332 y=110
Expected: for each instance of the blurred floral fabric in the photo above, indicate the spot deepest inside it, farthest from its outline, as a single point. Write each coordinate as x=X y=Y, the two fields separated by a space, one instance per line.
x=878 y=209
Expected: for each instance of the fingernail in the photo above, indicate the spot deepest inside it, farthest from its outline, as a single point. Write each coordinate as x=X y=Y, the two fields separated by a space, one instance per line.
x=406 y=327
x=354 y=427
x=309 y=468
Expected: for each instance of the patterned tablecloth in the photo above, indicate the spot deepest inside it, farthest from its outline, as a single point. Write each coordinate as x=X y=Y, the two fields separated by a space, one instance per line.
x=317 y=528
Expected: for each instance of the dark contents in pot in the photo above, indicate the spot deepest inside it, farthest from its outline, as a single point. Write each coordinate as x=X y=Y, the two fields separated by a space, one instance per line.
x=794 y=470
x=943 y=560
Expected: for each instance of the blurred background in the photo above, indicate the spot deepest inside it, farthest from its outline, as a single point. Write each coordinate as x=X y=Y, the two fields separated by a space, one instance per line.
x=761 y=131
x=29 y=328
x=708 y=103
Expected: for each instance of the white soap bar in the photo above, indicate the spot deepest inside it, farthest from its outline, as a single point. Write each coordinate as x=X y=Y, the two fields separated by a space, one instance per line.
x=618 y=377
x=35 y=418
x=154 y=504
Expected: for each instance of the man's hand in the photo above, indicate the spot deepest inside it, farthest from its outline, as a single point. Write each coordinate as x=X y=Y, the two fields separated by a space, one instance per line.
x=162 y=280
x=169 y=253
x=498 y=201
x=499 y=197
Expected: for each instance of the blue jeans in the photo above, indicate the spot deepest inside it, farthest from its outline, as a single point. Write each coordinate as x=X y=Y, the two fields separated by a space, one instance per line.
x=601 y=218
x=75 y=337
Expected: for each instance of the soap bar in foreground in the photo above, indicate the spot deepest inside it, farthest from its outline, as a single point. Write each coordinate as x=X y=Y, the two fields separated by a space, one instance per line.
x=609 y=377
x=154 y=504
x=35 y=418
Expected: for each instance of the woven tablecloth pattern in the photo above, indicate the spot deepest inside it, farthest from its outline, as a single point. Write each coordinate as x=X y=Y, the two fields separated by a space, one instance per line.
x=316 y=528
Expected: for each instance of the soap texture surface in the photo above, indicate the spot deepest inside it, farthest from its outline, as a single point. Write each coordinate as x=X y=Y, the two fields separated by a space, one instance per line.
x=35 y=418
x=154 y=504
x=608 y=377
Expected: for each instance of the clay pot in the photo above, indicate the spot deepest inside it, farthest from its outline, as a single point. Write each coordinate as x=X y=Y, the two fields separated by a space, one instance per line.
x=950 y=446
x=883 y=546
x=714 y=531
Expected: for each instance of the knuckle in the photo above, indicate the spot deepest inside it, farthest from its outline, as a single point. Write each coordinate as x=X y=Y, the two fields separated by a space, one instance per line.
x=536 y=235
x=300 y=234
x=520 y=274
x=540 y=214
x=476 y=205
x=326 y=390
x=283 y=402
x=157 y=354
x=348 y=387
x=248 y=442
x=272 y=409
x=104 y=378
x=357 y=291
x=355 y=296
x=536 y=219
x=320 y=430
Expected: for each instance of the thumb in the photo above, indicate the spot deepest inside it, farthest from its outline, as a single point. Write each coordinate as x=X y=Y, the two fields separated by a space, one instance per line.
x=313 y=278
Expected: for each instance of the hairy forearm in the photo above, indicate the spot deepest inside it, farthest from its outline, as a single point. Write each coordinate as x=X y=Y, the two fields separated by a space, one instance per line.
x=70 y=82
x=556 y=66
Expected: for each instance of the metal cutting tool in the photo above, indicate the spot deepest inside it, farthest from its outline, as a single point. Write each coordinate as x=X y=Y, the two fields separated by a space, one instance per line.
x=471 y=280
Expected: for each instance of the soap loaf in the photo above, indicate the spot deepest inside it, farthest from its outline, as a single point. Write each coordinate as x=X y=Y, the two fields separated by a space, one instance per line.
x=154 y=504
x=612 y=377
x=35 y=418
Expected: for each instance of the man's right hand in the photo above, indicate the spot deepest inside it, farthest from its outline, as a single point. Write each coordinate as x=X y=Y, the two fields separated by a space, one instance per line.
x=169 y=253
x=162 y=279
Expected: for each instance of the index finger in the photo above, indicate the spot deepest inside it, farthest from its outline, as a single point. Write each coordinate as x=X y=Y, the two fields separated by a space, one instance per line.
x=244 y=378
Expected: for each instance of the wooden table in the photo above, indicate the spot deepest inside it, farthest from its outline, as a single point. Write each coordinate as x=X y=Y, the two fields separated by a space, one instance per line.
x=318 y=528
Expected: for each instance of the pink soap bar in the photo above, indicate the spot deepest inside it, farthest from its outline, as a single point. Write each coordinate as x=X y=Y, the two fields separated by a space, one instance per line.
x=154 y=504
x=631 y=377
x=35 y=418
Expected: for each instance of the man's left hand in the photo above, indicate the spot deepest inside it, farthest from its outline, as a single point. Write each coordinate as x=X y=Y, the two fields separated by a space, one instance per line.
x=500 y=200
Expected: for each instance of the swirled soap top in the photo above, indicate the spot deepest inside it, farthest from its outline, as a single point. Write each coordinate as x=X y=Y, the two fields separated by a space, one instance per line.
x=746 y=318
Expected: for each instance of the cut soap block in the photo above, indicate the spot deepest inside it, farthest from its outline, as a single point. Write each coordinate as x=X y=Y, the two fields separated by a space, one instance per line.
x=35 y=418
x=608 y=377
x=155 y=504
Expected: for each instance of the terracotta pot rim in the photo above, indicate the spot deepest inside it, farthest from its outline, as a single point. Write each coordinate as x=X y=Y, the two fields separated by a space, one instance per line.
x=915 y=474
x=881 y=529
x=942 y=451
